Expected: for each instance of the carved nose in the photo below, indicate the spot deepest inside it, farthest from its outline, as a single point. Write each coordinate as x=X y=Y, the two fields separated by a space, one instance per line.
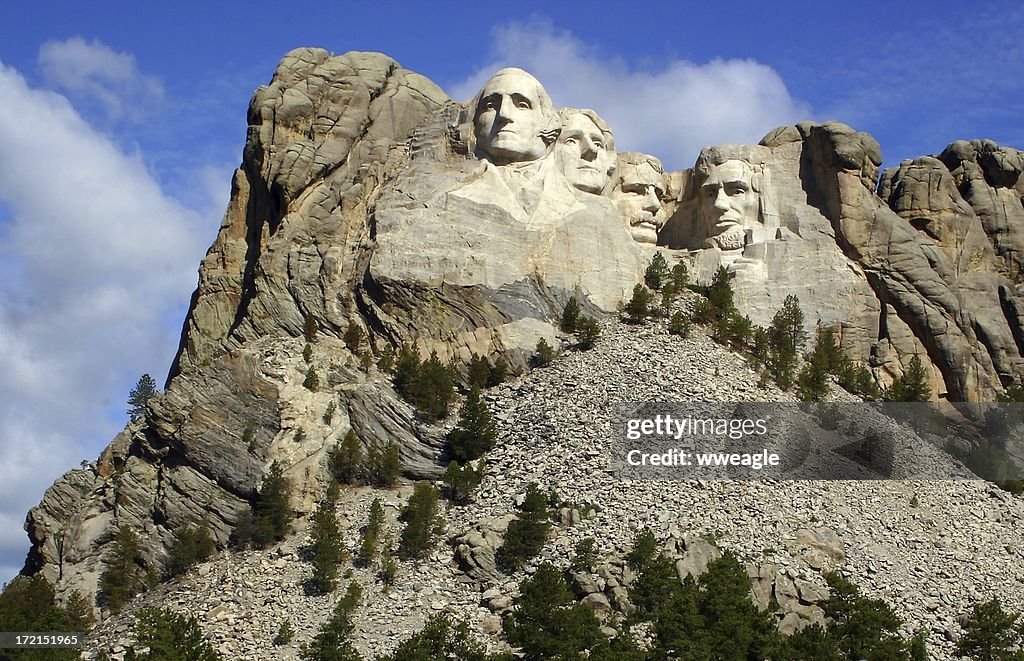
x=722 y=200
x=588 y=151
x=505 y=110
x=651 y=201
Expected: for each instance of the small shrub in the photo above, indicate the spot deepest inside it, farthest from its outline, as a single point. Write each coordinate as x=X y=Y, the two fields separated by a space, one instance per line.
x=587 y=332
x=479 y=371
x=461 y=481
x=638 y=307
x=191 y=545
x=332 y=406
x=353 y=337
x=307 y=353
x=498 y=372
x=310 y=328
x=285 y=633
x=991 y=633
x=386 y=360
x=312 y=381
x=544 y=354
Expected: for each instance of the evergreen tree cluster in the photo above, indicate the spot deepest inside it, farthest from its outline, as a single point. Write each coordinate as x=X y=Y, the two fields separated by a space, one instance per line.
x=482 y=374
x=170 y=636
x=827 y=358
x=428 y=385
x=992 y=634
x=191 y=545
x=28 y=604
x=441 y=639
x=460 y=481
x=526 y=535
x=713 y=617
x=271 y=515
x=378 y=467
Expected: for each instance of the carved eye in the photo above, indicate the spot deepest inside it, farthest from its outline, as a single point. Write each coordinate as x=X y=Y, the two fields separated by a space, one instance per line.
x=524 y=104
x=598 y=144
x=570 y=141
x=737 y=189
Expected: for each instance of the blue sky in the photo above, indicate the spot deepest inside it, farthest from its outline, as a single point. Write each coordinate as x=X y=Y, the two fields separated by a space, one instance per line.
x=121 y=124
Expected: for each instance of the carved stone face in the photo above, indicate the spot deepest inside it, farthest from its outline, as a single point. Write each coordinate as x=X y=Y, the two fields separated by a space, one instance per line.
x=511 y=115
x=729 y=204
x=583 y=155
x=638 y=198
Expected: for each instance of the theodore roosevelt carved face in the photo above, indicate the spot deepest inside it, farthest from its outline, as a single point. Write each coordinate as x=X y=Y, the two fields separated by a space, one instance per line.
x=514 y=119
x=640 y=186
x=729 y=204
x=585 y=150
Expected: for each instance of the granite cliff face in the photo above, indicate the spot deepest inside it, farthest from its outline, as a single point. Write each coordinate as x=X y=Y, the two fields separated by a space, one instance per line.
x=368 y=198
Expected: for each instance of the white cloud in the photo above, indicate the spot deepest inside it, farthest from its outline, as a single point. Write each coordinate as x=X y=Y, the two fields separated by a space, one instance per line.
x=94 y=257
x=92 y=71
x=670 y=112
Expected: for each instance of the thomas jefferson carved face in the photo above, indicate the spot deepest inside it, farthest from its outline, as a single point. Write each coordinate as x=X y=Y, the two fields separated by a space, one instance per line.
x=512 y=117
x=585 y=154
x=729 y=204
x=641 y=185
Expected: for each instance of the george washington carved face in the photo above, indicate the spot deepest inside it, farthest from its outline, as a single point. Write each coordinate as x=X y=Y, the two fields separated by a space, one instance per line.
x=514 y=119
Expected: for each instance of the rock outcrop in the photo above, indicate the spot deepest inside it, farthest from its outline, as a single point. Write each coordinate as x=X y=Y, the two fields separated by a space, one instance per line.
x=368 y=199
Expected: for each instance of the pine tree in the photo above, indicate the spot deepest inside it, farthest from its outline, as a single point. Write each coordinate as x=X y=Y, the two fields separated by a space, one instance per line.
x=680 y=277
x=190 y=545
x=272 y=512
x=327 y=544
x=387 y=359
x=570 y=315
x=461 y=481
x=786 y=337
x=638 y=307
x=331 y=643
x=353 y=337
x=990 y=634
x=526 y=535
x=498 y=373
x=422 y=522
x=679 y=325
x=913 y=386
x=720 y=294
x=544 y=354
x=441 y=638
x=862 y=628
x=307 y=353
x=476 y=431
x=346 y=459
x=548 y=623
x=310 y=328
x=124 y=575
x=657 y=271
x=435 y=389
x=407 y=371
x=479 y=371
x=285 y=633
x=371 y=533
x=312 y=381
x=587 y=332
x=144 y=389
x=390 y=466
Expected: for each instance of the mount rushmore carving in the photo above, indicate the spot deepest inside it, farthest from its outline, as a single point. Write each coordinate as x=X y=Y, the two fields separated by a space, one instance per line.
x=367 y=198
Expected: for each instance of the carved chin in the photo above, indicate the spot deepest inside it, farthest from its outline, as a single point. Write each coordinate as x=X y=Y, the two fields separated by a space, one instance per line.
x=644 y=233
x=731 y=239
